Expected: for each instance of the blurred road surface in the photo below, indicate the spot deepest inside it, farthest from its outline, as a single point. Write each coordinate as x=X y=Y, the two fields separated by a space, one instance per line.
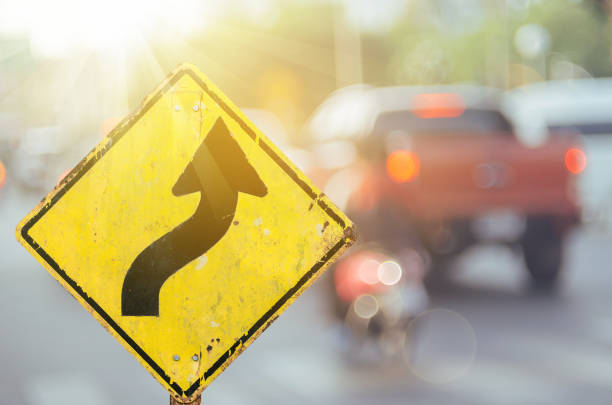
x=487 y=341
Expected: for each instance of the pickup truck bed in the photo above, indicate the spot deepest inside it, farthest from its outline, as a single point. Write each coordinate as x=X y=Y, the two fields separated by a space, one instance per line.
x=464 y=175
x=438 y=162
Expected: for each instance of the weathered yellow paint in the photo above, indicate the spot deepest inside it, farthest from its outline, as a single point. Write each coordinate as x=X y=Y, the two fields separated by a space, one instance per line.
x=118 y=200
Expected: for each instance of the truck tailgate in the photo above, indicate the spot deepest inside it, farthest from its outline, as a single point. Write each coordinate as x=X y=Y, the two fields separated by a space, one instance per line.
x=467 y=174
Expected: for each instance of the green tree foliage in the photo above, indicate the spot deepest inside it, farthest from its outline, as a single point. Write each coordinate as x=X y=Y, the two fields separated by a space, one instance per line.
x=425 y=48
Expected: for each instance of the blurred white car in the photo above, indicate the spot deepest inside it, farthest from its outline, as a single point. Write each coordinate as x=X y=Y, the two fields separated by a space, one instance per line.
x=581 y=106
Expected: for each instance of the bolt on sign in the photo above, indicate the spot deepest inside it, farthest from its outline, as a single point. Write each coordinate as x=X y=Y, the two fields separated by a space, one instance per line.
x=185 y=232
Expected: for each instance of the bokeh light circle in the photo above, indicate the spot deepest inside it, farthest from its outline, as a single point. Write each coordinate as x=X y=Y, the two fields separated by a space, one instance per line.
x=366 y=306
x=446 y=346
x=389 y=272
x=368 y=271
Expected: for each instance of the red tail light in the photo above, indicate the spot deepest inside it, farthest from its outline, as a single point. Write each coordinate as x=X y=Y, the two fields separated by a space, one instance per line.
x=403 y=166
x=441 y=105
x=2 y=174
x=575 y=160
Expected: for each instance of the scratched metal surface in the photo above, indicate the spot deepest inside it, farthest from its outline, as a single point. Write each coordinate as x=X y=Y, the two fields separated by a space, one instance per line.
x=118 y=200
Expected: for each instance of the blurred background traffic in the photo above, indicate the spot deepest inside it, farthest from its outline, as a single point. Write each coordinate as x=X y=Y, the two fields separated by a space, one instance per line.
x=469 y=140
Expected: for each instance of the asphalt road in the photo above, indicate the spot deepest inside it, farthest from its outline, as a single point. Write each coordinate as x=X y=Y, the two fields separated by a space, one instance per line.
x=486 y=340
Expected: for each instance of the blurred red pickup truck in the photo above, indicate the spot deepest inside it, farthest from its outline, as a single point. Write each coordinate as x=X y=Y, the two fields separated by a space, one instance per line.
x=440 y=168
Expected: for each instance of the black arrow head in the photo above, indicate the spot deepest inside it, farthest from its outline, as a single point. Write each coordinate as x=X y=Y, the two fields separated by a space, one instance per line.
x=228 y=158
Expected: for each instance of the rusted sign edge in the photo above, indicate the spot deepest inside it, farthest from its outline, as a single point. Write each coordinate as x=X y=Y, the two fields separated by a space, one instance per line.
x=180 y=394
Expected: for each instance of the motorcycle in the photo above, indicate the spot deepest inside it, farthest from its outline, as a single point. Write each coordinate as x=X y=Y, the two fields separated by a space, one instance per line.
x=376 y=296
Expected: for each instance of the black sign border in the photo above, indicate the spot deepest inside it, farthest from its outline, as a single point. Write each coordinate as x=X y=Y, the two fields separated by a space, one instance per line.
x=88 y=162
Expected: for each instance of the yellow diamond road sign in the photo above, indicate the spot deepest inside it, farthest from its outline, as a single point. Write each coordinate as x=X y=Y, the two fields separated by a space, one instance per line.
x=185 y=232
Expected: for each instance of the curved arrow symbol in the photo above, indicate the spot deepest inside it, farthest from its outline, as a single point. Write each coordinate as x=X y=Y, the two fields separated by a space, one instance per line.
x=218 y=170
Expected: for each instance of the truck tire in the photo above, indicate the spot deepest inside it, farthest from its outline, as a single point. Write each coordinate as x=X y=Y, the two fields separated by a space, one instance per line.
x=542 y=248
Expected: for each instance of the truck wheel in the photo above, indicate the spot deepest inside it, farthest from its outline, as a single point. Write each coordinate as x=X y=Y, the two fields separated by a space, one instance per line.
x=543 y=252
